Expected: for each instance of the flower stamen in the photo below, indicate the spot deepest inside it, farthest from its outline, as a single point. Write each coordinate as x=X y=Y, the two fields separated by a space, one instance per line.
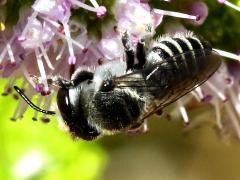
x=94 y=3
x=39 y=100
x=8 y=86
x=27 y=75
x=227 y=54
x=100 y=10
x=235 y=101
x=218 y=113
x=229 y=4
x=176 y=14
x=82 y=5
x=145 y=126
x=183 y=112
x=72 y=58
x=7 y=49
x=59 y=55
x=214 y=89
x=46 y=105
x=46 y=56
x=199 y=93
x=42 y=70
x=56 y=25
x=22 y=106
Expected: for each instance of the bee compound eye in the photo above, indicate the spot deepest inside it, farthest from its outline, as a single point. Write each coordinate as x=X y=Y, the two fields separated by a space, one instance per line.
x=63 y=103
x=107 y=85
x=74 y=117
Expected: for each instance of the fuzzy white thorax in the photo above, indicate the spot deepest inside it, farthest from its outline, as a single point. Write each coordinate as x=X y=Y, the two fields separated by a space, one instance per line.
x=108 y=70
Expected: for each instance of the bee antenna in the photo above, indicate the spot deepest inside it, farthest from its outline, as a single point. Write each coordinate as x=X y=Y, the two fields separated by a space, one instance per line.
x=21 y=93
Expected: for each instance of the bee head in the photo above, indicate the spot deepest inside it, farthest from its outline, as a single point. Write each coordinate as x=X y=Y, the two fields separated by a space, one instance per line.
x=78 y=104
x=72 y=106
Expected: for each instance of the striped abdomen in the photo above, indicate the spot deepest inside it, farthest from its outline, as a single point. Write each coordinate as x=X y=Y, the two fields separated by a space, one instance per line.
x=182 y=52
x=182 y=62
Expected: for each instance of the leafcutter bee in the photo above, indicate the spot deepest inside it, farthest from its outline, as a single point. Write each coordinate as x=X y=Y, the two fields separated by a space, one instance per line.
x=119 y=95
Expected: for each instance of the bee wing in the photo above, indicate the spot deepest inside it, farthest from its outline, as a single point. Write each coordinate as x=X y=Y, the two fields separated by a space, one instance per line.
x=172 y=78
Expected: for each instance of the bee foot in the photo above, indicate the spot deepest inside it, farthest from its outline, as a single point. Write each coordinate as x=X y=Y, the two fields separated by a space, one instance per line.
x=139 y=130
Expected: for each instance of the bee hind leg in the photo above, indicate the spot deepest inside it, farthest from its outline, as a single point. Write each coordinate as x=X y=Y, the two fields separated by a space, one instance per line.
x=141 y=54
x=142 y=44
x=139 y=129
x=129 y=50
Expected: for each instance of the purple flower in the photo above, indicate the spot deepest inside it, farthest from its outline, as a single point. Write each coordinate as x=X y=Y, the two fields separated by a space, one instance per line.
x=198 y=8
x=111 y=46
x=58 y=10
x=135 y=18
x=37 y=34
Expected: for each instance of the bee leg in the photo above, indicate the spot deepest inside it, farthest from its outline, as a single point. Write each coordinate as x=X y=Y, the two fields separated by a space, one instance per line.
x=140 y=53
x=54 y=81
x=129 y=51
x=139 y=129
x=60 y=82
x=71 y=70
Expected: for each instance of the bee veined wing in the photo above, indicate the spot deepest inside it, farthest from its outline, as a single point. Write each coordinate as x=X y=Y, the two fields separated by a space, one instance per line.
x=173 y=77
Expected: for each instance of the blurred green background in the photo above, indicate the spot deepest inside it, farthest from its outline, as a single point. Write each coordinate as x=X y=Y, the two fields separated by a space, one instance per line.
x=34 y=150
